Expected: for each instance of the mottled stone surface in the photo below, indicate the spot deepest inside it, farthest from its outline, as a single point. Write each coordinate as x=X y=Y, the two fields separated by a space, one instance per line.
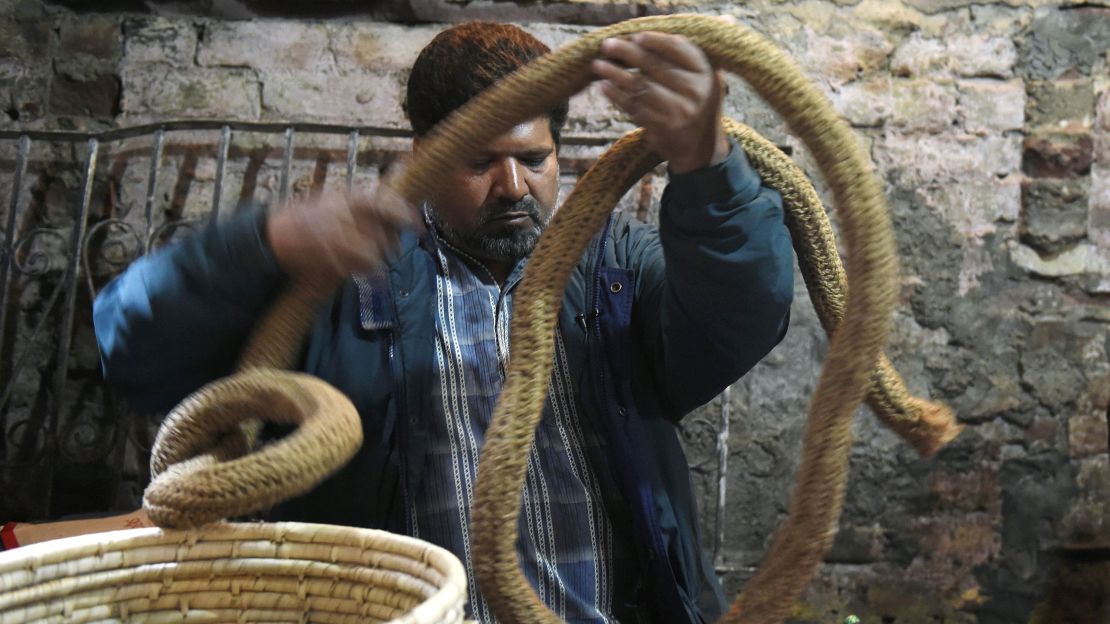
x=97 y=37
x=1055 y=213
x=25 y=65
x=964 y=55
x=865 y=103
x=85 y=96
x=1066 y=44
x=294 y=47
x=161 y=41
x=924 y=106
x=991 y=106
x=1058 y=155
x=948 y=157
x=151 y=90
x=987 y=121
x=1061 y=103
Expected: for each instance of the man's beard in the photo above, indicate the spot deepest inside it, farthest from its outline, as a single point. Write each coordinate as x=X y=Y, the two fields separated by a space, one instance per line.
x=510 y=245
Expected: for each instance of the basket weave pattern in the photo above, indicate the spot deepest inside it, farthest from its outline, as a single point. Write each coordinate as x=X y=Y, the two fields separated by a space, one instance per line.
x=260 y=572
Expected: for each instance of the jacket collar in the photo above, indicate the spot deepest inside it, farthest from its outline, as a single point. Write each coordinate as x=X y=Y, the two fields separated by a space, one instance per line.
x=375 y=311
x=374 y=293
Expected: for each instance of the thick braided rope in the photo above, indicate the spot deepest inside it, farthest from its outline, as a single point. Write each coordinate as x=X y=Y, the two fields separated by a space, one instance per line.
x=200 y=468
x=926 y=425
x=857 y=342
x=190 y=491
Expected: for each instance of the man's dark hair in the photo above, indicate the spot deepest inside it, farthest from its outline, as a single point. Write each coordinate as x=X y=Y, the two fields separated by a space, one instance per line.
x=462 y=61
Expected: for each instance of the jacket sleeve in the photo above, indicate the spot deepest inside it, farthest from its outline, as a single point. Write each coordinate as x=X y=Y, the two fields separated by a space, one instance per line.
x=714 y=288
x=178 y=318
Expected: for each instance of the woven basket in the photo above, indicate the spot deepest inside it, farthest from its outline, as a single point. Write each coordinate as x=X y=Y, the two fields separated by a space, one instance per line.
x=262 y=572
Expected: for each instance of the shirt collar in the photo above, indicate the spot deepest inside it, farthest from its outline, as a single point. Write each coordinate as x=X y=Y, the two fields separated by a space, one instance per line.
x=440 y=247
x=373 y=286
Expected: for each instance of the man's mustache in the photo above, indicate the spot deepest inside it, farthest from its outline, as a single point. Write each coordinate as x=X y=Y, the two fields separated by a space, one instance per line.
x=525 y=205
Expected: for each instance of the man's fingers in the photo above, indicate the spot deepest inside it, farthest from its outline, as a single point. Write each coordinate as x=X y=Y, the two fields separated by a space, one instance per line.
x=660 y=110
x=400 y=210
x=337 y=234
x=354 y=251
x=621 y=98
x=653 y=106
x=645 y=65
x=383 y=206
x=386 y=189
x=624 y=52
x=627 y=81
x=672 y=49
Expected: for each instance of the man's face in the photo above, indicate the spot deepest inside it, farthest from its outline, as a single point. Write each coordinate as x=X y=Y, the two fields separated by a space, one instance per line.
x=495 y=206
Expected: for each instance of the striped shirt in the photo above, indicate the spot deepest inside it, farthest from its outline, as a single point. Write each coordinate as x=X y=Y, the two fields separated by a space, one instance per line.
x=566 y=540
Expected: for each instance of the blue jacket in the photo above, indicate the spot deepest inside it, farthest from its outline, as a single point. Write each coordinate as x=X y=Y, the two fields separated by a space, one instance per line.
x=657 y=320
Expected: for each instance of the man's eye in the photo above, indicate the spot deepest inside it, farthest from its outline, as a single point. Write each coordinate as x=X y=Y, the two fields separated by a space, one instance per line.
x=481 y=165
x=535 y=163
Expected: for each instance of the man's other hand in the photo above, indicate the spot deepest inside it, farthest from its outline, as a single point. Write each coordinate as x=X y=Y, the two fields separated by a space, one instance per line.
x=331 y=236
x=667 y=86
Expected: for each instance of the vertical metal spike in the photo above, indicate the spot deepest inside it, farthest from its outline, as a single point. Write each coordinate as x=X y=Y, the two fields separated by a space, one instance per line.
x=65 y=325
x=152 y=184
x=352 y=159
x=286 y=165
x=221 y=164
x=722 y=472
x=7 y=259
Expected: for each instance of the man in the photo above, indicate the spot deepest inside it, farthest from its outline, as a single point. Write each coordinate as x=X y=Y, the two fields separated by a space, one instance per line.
x=653 y=324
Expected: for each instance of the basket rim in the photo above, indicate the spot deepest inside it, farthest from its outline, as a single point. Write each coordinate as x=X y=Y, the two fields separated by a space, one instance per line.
x=451 y=592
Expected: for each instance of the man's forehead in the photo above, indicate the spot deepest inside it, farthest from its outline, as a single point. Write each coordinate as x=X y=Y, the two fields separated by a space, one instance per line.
x=526 y=129
x=531 y=135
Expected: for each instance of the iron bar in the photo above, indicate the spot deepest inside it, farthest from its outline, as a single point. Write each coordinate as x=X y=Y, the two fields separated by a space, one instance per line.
x=9 y=232
x=722 y=472
x=117 y=134
x=221 y=163
x=28 y=350
x=152 y=184
x=286 y=165
x=65 y=326
x=352 y=159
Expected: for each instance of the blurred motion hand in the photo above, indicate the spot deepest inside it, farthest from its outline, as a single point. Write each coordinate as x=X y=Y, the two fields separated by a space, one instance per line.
x=330 y=236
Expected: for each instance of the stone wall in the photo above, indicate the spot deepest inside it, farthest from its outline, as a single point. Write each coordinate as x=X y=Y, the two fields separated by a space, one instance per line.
x=989 y=122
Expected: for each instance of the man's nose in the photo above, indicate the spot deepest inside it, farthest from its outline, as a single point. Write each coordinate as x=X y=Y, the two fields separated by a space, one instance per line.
x=509 y=183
